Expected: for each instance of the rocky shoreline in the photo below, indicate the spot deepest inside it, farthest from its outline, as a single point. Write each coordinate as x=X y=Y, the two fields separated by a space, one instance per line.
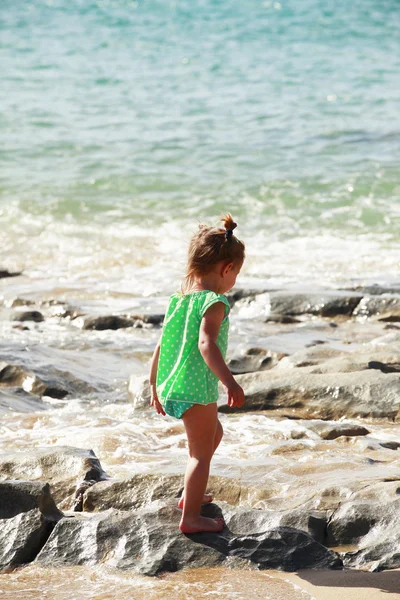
x=337 y=391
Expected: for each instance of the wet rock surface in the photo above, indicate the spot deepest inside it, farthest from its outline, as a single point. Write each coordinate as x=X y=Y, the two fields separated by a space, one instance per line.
x=47 y=382
x=29 y=315
x=122 y=322
x=109 y=322
x=254 y=359
x=138 y=517
x=4 y=273
x=385 y=307
x=67 y=469
x=321 y=376
x=327 y=396
x=150 y=542
x=326 y=304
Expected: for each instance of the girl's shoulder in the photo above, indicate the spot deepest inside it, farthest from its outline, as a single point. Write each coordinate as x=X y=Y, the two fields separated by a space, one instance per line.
x=197 y=302
x=208 y=298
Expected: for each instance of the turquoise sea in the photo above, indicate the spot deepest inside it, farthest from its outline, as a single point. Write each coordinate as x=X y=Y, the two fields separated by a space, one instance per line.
x=123 y=123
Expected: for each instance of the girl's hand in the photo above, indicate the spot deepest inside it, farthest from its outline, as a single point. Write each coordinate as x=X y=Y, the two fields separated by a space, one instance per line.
x=235 y=395
x=156 y=403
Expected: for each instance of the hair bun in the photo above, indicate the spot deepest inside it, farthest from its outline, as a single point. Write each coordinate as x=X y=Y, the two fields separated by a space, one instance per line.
x=228 y=222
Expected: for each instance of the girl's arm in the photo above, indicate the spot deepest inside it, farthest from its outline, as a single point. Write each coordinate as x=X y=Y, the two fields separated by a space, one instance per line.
x=153 y=380
x=209 y=329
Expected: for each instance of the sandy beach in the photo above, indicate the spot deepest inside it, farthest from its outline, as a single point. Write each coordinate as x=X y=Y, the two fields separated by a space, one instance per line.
x=350 y=585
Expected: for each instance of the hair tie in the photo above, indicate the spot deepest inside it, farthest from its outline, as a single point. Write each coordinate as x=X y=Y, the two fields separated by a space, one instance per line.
x=228 y=234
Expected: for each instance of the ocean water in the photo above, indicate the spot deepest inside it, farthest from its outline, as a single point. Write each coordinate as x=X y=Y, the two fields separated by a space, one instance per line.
x=124 y=123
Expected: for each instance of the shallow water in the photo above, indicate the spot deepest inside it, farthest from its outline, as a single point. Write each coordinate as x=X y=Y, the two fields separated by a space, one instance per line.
x=95 y=583
x=125 y=122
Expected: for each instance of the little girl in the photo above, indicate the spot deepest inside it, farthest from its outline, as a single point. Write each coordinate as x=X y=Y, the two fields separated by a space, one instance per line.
x=190 y=359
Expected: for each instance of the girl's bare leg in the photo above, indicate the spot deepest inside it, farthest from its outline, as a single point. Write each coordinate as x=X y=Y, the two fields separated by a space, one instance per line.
x=217 y=439
x=201 y=428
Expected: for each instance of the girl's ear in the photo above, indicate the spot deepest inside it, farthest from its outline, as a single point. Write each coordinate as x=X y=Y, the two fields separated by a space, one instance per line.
x=226 y=268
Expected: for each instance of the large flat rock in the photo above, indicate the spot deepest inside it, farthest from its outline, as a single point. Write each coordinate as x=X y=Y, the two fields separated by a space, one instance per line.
x=364 y=394
x=149 y=542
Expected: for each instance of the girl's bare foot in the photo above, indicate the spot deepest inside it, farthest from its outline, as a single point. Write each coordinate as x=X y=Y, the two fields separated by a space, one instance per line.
x=199 y=524
x=206 y=499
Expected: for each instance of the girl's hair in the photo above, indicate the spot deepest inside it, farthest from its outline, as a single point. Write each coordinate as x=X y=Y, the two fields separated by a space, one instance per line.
x=211 y=245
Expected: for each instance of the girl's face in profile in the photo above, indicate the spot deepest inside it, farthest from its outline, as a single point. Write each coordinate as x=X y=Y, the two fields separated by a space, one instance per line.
x=229 y=275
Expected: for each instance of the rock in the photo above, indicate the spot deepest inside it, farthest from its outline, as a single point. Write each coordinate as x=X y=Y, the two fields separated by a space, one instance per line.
x=122 y=322
x=241 y=293
x=376 y=289
x=139 y=391
x=5 y=273
x=64 y=311
x=57 y=384
x=65 y=467
x=384 y=360
x=152 y=319
x=384 y=368
x=379 y=551
x=109 y=322
x=19 y=496
x=326 y=304
x=21 y=302
x=331 y=431
x=28 y=516
x=317 y=522
x=385 y=307
x=254 y=359
x=14 y=399
x=354 y=520
x=149 y=542
x=140 y=490
x=29 y=315
x=390 y=445
x=284 y=319
x=313 y=355
x=329 y=396
x=22 y=537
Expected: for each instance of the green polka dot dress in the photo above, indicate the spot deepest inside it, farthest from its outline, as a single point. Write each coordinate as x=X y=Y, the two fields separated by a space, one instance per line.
x=183 y=377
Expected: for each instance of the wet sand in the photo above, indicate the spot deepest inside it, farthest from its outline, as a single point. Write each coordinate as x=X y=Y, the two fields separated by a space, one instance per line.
x=104 y=583
x=349 y=585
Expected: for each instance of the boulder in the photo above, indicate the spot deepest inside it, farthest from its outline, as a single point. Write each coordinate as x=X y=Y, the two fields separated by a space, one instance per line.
x=254 y=359
x=326 y=303
x=22 y=537
x=314 y=355
x=29 y=515
x=47 y=382
x=20 y=302
x=108 y=322
x=149 y=542
x=150 y=319
x=29 y=315
x=369 y=394
x=19 y=496
x=139 y=391
x=374 y=506
x=333 y=430
x=385 y=307
x=14 y=399
x=379 y=550
x=65 y=467
x=5 y=273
